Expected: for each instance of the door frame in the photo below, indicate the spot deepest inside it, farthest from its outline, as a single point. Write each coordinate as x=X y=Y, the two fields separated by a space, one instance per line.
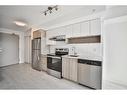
x=13 y=34
x=21 y=41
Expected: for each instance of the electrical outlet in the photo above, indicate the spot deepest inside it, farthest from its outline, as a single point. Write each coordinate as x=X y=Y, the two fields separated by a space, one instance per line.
x=94 y=49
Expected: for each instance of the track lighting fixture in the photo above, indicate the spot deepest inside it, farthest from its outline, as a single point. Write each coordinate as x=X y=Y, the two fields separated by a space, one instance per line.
x=50 y=9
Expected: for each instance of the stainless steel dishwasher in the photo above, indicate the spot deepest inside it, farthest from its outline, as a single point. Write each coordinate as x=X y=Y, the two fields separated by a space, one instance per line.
x=90 y=73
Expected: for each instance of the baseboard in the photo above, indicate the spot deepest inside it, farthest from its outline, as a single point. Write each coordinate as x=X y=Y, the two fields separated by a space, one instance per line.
x=120 y=84
x=9 y=65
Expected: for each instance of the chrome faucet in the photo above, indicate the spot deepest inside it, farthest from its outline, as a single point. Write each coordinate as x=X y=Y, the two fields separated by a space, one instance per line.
x=74 y=51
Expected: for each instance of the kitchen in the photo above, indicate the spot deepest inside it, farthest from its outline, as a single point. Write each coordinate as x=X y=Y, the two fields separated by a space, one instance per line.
x=74 y=51
x=69 y=44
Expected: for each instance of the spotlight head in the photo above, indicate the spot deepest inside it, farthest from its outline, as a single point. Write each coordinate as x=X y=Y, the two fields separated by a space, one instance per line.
x=56 y=8
x=45 y=13
x=49 y=8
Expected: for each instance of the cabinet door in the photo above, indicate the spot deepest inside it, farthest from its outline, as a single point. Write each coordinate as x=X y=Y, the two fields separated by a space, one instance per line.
x=68 y=30
x=54 y=33
x=65 y=68
x=43 y=45
x=85 y=28
x=73 y=69
x=62 y=30
x=95 y=27
x=49 y=34
x=76 y=30
x=44 y=62
x=36 y=34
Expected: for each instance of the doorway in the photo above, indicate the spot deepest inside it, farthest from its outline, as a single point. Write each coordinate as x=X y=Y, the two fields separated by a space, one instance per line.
x=9 y=49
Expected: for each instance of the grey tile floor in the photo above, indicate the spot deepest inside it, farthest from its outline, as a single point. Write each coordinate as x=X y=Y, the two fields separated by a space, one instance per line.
x=22 y=76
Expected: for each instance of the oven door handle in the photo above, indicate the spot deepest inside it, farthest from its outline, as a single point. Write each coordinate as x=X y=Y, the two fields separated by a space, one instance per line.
x=54 y=57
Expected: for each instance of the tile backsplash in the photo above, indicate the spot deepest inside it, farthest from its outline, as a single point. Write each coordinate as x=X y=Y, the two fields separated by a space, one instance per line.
x=91 y=49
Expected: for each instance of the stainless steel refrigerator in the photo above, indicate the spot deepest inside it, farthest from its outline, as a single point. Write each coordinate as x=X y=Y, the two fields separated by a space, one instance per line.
x=36 y=53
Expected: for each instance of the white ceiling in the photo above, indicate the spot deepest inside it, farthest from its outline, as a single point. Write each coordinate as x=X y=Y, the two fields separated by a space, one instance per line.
x=34 y=17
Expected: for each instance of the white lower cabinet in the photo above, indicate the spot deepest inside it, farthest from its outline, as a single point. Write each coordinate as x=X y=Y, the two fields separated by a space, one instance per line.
x=69 y=68
x=65 y=67
x=73 y=69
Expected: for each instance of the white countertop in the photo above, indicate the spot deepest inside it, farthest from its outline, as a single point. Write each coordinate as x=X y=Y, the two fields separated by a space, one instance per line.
x=68 y=56
x=87 y=56
x=97 y=58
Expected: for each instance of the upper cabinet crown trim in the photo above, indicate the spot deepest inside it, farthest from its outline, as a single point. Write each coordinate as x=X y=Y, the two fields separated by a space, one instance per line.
x=116 y=20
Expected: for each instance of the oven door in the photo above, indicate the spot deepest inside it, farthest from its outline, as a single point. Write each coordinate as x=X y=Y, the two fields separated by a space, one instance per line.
x=54 y=63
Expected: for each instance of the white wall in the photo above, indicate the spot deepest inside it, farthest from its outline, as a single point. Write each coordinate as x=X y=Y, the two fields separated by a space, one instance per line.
x=115 y=50
x=115 y=11
x=21 y=42
x=27 y=46
x=10 y=48
x=92 y=50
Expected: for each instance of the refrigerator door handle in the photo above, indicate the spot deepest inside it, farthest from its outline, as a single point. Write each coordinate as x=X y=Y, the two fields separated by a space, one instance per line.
x=1 y=50
x=38 y=58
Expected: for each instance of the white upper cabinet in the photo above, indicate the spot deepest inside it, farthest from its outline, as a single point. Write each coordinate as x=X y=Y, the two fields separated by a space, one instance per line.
x=95 y=27
x=59 y=31
x=56 y=32
x=68 y=30
x=50 y=34
x=85 y=28
x=62 y=31
x=76 y=30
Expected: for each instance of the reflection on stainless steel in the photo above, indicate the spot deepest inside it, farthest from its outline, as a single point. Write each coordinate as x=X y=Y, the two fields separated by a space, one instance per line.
x=90 y=73
x=54 y=62
x=36 y=53
x=1 y=50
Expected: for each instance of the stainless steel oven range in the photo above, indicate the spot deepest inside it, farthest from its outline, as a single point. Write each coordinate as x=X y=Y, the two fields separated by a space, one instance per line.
x=54 y=62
